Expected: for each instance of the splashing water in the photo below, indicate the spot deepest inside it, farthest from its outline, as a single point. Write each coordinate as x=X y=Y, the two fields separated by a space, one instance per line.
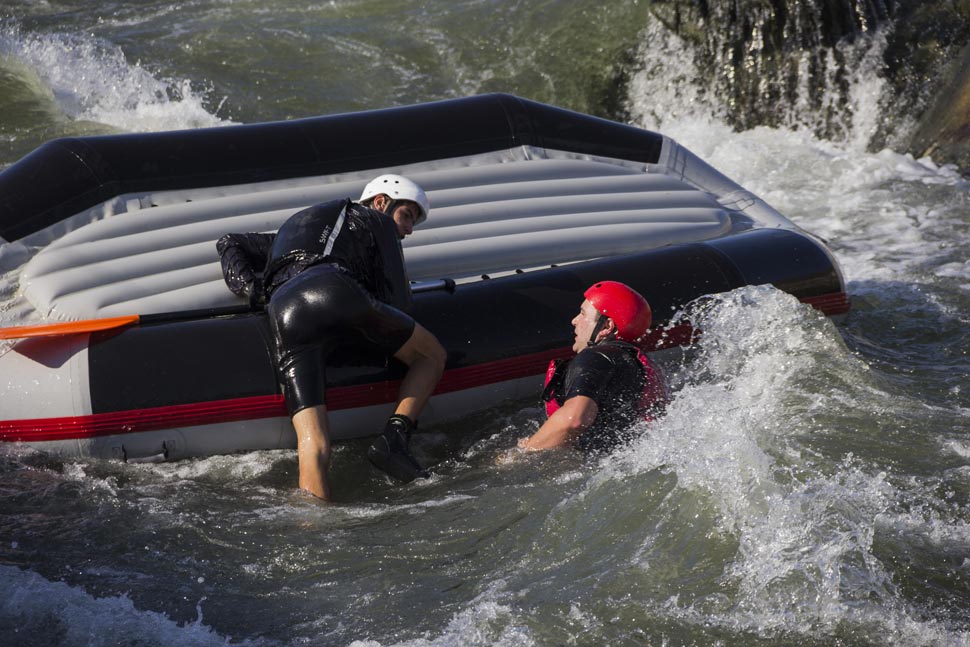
x=754 y=431
x=90 y=79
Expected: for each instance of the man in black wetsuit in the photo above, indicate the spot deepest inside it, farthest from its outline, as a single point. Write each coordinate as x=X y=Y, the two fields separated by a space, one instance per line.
x=333 y=275
x=595 y=398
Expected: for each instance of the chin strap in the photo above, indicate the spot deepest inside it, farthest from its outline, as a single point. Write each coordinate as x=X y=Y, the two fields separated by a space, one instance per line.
x=600 y=324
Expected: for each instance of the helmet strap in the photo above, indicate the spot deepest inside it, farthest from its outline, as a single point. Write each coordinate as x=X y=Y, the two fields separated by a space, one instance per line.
x=600 y=324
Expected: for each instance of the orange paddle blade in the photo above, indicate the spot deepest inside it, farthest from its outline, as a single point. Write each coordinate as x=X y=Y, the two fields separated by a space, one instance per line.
x=67 y=327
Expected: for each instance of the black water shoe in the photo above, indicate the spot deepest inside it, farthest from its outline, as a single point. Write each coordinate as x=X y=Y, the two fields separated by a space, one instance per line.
x=389 y=452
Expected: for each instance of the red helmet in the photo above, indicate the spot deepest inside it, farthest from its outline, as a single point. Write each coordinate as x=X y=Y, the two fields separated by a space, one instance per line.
x=624 y=305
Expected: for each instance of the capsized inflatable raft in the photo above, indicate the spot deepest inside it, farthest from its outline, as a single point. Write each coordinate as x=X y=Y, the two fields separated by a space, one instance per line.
x=530 y=205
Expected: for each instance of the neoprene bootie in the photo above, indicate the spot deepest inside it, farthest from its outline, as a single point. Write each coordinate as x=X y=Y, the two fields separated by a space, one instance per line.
x=389 y=452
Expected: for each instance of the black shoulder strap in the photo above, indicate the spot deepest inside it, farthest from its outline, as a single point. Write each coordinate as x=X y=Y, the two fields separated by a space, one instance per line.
x=392 y=261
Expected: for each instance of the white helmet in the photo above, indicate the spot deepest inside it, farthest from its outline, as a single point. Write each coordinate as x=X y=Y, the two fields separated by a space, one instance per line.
x=398 y=187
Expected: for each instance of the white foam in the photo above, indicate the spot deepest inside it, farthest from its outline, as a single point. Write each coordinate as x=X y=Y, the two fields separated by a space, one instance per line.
x=90 y=79
x=669 y=88
x=485 y=622
x=39 y=607
x=232 y=468
x=726 y=424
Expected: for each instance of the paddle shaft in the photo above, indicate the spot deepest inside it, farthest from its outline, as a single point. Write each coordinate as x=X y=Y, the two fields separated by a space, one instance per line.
x=208 y=313
x=116 y=323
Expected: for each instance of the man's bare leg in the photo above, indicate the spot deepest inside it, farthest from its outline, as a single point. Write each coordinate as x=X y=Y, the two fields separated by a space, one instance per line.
x=313 y=450
x=425 y=358
x=426 y=361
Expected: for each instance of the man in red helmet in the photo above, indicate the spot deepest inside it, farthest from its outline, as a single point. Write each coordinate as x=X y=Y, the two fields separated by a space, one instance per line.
x=595 y=398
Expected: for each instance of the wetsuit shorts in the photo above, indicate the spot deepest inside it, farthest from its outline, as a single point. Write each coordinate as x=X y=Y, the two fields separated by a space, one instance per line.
x=318 y=310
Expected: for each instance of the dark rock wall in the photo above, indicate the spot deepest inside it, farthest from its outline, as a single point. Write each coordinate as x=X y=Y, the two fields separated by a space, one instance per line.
x=928 y=65
x=759 y=56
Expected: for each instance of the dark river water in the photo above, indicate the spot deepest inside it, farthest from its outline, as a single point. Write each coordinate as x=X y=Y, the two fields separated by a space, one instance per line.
x=810 y=484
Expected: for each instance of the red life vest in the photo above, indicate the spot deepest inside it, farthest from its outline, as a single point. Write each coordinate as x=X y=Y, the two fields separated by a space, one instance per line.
x=652 y=399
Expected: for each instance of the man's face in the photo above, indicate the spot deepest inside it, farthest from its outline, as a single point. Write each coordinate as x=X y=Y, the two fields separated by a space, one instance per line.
x=583 y=325
x=405 y=215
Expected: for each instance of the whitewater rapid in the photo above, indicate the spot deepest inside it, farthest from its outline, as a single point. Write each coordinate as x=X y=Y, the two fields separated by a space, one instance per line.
x=809 y=485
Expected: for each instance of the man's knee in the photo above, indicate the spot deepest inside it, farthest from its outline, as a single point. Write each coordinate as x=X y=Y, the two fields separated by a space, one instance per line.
x=423 y=344
x=431 y=349
x=437 y=353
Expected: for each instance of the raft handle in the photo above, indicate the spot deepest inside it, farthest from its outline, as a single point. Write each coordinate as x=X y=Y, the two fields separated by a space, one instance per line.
x=448 y=285
x=150 y=458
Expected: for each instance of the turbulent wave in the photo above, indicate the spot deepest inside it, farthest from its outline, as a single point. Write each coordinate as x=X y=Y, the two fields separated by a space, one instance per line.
x=89 y=79
x=755 y=432
x=755 y=509
x=36 y=611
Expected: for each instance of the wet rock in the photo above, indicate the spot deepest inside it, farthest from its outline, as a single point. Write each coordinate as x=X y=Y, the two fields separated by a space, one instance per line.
x=943 y=132
x=789 y=62
x=775 y=62
x=928 y=64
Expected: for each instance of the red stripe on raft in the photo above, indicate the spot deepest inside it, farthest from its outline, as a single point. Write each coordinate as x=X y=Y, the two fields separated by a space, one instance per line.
x=458 y=379
x=263 y=406
x=137 y=420
x=346 y=397
x=834 y=303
